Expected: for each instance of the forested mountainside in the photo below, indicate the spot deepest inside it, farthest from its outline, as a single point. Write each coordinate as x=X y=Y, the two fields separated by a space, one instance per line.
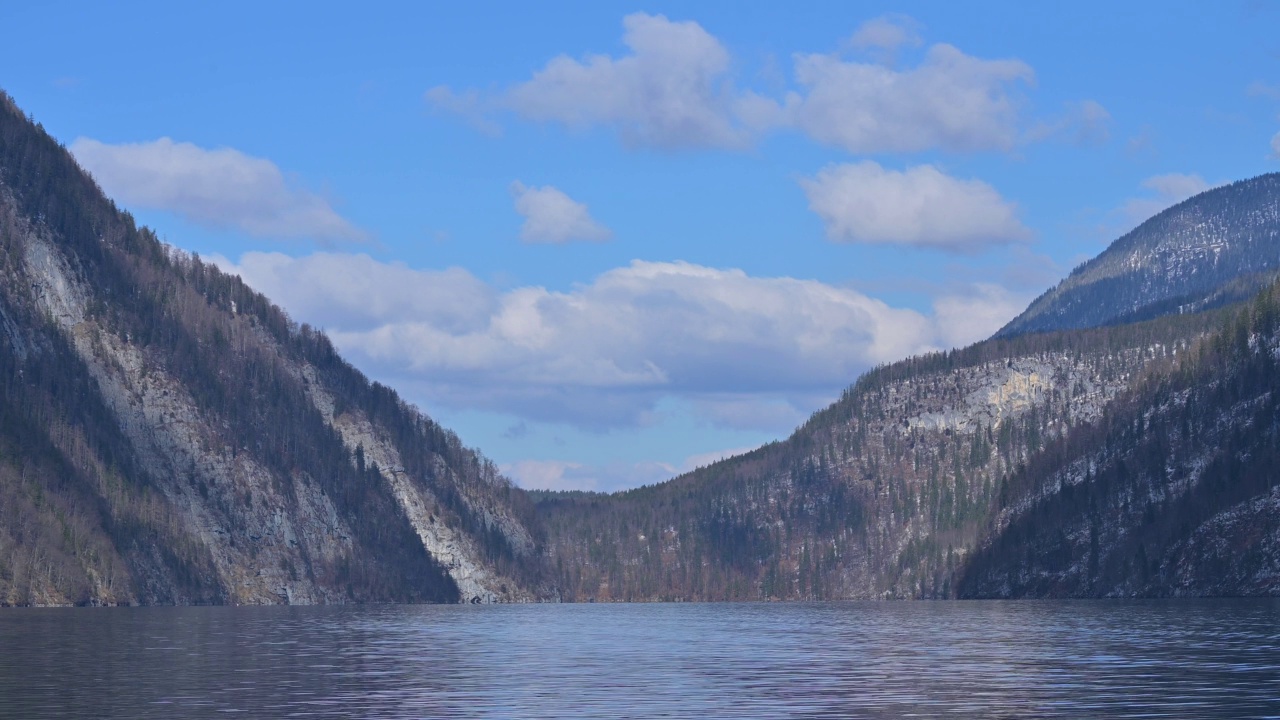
x=1175 y=491
x=167 y=435
x=1219 y=247
x=883 y=495
x=1131 y=457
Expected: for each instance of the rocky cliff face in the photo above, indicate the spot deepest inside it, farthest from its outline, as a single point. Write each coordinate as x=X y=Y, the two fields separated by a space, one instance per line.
x=169 y=436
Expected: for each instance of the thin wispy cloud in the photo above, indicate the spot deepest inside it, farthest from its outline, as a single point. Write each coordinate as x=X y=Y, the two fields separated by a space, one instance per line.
x=1162 y=191
x=220 y=188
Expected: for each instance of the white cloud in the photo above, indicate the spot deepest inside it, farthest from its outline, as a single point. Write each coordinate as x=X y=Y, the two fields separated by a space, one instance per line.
x=1261 y=89
x=674 y=89
x=1085 y=122
x=693 y=462
x=1169 y=189
x=569 y=475
x=609 y=477
x=551 y=475
x=550 y=216
x=1176 y=187
x=967 y=317
x=468 y=104
x=757 y=411
x=606 y=352
x=221 y=188
x=356 y=293
x=887 y=32
x=1275 y=146
x=668 y=92
x=951 y=101
x=865 y=203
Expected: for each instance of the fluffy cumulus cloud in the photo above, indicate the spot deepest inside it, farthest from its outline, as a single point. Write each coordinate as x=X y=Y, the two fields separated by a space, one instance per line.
x=921 y=206
x=222 y=188
x=356 y=293
x=668 y=92
x=675 y=89
x=604 y=353
x=950 y=100
x=550 y=216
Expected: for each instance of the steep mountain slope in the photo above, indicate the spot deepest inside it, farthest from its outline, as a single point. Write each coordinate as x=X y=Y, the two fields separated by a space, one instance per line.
x=1218 y=247
x=884 y=494
x=1175 y=492
x=169 y=436
x=890 y=491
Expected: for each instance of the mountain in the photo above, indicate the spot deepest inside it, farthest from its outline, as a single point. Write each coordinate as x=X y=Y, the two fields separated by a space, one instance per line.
x=1218 y=247
x=1173 y=492
x=885 y=494
x=1126 y=454
x=167 y=435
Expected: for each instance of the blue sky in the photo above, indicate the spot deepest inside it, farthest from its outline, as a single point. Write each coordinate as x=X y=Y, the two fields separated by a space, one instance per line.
x=609 y=242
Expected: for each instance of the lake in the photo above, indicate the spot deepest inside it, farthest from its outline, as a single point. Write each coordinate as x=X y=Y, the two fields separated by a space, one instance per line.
x=1073 y=659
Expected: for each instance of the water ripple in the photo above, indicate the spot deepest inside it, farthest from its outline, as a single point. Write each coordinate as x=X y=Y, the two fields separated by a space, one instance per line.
x=1213 y=658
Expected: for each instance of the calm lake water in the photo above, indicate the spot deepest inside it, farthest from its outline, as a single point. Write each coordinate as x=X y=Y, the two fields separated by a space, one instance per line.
x=877 y=660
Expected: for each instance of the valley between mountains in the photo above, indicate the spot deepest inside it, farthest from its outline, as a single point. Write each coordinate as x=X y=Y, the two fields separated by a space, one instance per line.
x=169 y=436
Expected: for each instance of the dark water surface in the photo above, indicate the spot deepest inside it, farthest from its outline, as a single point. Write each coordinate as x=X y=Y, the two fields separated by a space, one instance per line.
x=1201 y=659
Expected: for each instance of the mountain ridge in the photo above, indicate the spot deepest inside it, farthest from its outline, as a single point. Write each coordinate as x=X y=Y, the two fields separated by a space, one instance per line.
x=1184 y=253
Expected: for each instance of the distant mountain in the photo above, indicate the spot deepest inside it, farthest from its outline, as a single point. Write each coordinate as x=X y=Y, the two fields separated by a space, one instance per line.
x=1218 y=247
x=167 y=435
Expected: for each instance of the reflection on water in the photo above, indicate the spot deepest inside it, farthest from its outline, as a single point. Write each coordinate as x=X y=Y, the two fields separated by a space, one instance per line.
x=1218 y=658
